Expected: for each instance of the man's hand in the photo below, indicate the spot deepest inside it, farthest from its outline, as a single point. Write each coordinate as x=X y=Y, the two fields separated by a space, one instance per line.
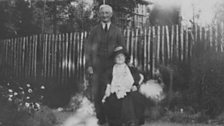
x=90 y=70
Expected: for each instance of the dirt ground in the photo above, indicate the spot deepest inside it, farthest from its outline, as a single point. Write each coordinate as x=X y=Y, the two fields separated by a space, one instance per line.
x=61 y=116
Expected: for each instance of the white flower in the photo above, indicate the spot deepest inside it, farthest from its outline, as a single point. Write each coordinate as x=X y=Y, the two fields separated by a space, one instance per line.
x=8 y=84
x=28 y=97
x=27 y=104
x=10 y=96
x=60 y=109
x=30 y=90
x=20 y=88
x=10 y=90
x=181 y=110
x=28 y=85
x=23 y=92
x=10 y=99
x=42 y=87
x=15 y=93
x=38 y=105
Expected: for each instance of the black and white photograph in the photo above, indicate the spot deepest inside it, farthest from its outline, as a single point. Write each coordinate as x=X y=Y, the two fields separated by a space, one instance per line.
x=111 y=62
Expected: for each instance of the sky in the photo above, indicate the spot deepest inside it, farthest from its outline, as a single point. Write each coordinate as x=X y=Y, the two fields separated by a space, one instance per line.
x=206 y=9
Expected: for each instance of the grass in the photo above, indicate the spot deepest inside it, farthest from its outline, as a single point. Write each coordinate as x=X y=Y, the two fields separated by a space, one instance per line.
x=161 y=123
x=61 y=116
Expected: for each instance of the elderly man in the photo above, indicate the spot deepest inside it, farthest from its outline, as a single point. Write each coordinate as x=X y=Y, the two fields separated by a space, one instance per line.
x=102 y=40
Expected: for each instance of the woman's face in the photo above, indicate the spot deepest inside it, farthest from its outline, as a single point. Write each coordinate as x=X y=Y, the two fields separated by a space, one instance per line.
x=120 y=58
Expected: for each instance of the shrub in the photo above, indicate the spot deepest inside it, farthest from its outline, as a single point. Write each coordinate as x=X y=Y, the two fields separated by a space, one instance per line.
x=21 y=106
x=206 y=87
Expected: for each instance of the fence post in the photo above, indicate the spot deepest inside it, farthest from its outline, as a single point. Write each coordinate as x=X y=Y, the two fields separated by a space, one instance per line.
x=158 y=45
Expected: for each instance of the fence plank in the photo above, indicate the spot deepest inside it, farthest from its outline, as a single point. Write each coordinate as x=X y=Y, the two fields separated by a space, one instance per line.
x=154 y=44
x=23 y=56
x=52 y=55
x=210 y=36
x=78 y=55
x=177 y=42
x=70 y=55
x=158 y=45
x=82 y=55
x=136 y=47
x=222 y=37
x=128 y=40
x=163 y=45
x=55 y=65
x=35 y=56
x=149 y=51
x=181 y=43
x=187 y=45
x=74 y=54
x=172 y=43
x=66 y=56
x=30 y=53
x=145 y=45
x=5 y=71
x=131 y=47
x=206 y=39
x=216 y=37
x=62 y=58
x=196 y=34
x=168 y=45
x=59 y=57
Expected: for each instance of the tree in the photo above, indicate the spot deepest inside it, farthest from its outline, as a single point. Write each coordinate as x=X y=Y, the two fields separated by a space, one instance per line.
x=123 y=10
x=79 y=17
x=23 y=17
x=6 y=25
x=219 y=16
x=16 y=19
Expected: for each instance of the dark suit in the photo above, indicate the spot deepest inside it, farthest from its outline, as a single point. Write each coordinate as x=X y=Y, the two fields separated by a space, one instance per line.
x=99 y=46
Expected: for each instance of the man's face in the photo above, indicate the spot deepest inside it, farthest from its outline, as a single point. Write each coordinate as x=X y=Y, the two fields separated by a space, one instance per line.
x=105 y=15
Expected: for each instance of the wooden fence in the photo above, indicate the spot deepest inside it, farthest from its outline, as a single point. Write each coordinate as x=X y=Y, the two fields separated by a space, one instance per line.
x=61 y=56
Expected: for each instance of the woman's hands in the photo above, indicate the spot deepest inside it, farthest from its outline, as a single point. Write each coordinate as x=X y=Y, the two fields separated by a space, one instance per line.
x=107 y=93
x=134 y=88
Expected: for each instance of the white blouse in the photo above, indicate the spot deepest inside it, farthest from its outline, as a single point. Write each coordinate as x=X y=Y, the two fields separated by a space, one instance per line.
x=122 y=80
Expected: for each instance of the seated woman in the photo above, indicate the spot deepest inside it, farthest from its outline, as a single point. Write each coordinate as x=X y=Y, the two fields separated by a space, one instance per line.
x=123 y=104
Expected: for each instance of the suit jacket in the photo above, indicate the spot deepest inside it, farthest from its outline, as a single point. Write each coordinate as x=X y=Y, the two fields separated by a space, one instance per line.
x=100 y=44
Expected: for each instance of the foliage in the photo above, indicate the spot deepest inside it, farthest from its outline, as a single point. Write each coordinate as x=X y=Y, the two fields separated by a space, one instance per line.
x=219 y=16
x=21 y=106
x=24 y=97
x=80 y=17
x=22 y=17
x=206 y=87
x=123 y=10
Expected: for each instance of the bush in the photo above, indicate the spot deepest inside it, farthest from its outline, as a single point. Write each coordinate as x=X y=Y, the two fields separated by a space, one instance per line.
x=206 y=87
x=21 y=106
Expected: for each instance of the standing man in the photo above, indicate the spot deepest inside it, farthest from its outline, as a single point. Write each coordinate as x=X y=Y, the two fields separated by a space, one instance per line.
x=102 y=40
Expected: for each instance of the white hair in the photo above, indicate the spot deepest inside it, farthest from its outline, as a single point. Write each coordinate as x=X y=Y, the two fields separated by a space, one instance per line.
x=106 y=6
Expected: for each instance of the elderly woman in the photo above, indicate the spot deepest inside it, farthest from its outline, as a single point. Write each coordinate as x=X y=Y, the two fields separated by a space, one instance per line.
x=121 y=99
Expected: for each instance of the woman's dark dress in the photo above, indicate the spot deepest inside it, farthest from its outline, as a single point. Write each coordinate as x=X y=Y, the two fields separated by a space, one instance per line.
x=127 y=109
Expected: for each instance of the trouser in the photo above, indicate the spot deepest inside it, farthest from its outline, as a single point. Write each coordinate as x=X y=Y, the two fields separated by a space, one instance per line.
x=99 y=86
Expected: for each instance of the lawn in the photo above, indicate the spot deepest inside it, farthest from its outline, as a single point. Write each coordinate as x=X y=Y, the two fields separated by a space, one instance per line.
x=61 y=116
